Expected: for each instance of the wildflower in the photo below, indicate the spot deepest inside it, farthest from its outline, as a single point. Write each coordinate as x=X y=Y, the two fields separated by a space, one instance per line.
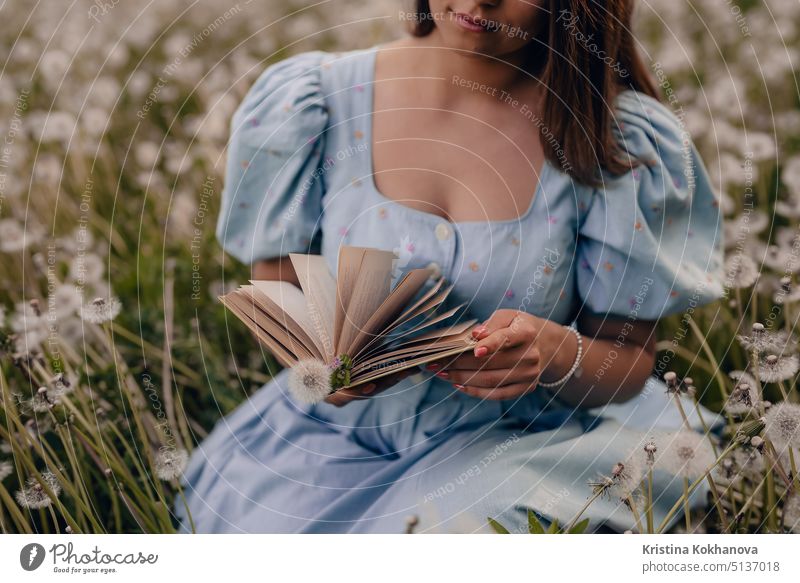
x=787 y=292
x=101 y=310
x=147 y=153
x=779 y=259
x=41 y=401
x=58 y=126
x=774 y=368
x=627 y=476
x=761 y=145
x=791 y=513
x=87 y=268
x=650 y=449
x=671 y=379
x=170 y=462
x=688 y=454
x=61 y=385
x=601 y=485
x=790 y=173
x=31 y=328
x=15 y=238
x=310 y=380
x=66 y=299
x=763 y=340
x=33 y=495
x=6 y=469
x=782 y=425
x=743 y=399
x=740 y=271
x=789 y=208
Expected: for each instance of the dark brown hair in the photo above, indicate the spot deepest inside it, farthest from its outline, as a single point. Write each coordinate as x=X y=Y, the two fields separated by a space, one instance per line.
x=580 y=86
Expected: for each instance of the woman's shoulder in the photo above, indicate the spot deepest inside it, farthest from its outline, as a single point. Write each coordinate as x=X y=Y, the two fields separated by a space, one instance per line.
x=648 y=129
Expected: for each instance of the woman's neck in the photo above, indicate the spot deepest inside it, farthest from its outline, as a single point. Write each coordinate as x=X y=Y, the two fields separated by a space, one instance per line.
x=503 y=73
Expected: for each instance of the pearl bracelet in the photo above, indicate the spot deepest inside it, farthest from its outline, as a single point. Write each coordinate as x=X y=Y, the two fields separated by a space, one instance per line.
x=575 y=364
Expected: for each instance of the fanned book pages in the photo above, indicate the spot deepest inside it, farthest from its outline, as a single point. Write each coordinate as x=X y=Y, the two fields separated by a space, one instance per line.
x=343 y=331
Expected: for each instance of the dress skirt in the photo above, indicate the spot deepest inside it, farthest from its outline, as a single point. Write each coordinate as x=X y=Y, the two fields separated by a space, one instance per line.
x=422 y=449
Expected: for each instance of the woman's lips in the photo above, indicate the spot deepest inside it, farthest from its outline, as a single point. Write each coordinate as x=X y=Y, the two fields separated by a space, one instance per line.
x=471 y=24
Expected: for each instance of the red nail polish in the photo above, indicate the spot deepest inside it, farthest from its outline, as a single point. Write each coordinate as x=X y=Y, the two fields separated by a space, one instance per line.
x=433 y=366
x=481 y=351
x=442 y=374
x=478 y=331
x=458 y=386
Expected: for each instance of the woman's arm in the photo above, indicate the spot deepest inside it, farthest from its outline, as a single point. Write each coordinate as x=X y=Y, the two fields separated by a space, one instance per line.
x=618 y=356
x=279 y=268
x=516 y=349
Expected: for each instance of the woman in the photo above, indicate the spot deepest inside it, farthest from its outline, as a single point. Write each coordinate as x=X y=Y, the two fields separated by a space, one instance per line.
x=519 y=149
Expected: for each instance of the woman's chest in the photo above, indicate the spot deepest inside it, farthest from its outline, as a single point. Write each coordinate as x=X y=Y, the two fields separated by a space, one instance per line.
x=525 y=264
x=455 y=164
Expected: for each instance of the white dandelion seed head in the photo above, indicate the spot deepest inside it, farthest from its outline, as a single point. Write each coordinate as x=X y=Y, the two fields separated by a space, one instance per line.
x=762 y=340
x=744 y=397
x=782 y=425
x=650 y=449
x=789 y=208
x=41 y=401
x=170 y=462
x=627 y=476
x=62 y=385
x=66 y=299
x=34 y=496
x=101 y=310
x=688 y=453
x=87 y=268
x=6 y=469
x=791 y=513
x=740 y=271
x=310 y=380
x=743 y=463
x=774 y=369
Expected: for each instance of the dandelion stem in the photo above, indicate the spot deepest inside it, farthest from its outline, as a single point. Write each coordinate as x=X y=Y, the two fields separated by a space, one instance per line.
x=710 y=355
x=635 y=511
x=649 y=508
x=679 y=405
x=687 y=511
x=717 y=502
x=575 y=518
x=186 y=506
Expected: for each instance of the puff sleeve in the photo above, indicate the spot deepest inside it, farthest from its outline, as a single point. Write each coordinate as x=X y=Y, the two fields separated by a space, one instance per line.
x=272 y=197
x=650 y=241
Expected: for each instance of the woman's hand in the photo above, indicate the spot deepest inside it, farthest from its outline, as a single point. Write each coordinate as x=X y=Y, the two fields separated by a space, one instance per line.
x=343 y=396
x=514 y=349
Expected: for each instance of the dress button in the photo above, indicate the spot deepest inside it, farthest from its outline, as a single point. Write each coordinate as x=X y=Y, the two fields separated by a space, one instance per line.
x=436 y=269
x=442 y=231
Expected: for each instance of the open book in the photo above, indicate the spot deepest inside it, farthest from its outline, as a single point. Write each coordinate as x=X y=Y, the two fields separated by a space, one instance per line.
x=355 y=328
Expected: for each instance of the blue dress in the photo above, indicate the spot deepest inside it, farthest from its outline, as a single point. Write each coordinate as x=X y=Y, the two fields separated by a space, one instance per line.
x=299 y=178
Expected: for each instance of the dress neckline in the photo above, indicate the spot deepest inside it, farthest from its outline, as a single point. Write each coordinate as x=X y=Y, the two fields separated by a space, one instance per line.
x=371 y=54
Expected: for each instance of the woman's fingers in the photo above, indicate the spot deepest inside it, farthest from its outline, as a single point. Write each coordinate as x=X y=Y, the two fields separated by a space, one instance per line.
x=365 y=390
x=519 y=331
x=489 y=379
x=499 y=319
x=468 y=361
x=513 y=391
